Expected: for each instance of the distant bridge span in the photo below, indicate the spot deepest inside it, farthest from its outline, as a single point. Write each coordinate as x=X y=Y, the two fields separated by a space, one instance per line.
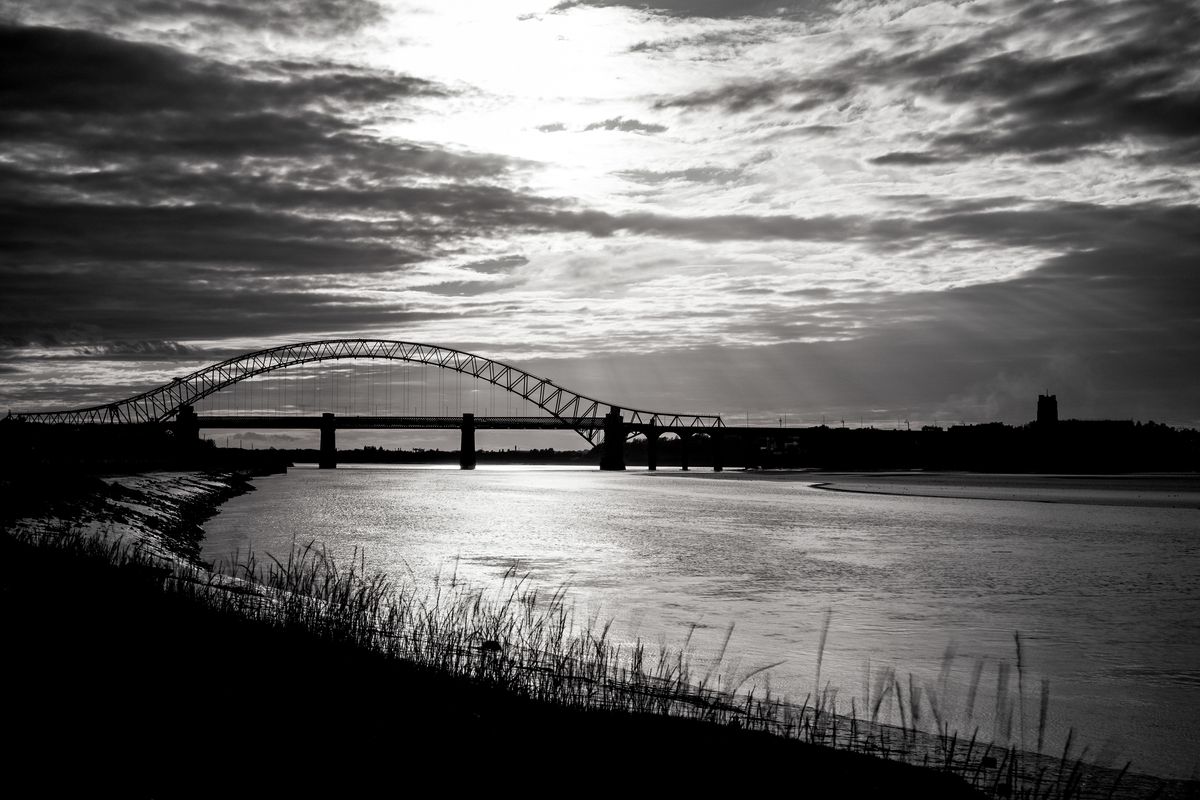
x=587 y=416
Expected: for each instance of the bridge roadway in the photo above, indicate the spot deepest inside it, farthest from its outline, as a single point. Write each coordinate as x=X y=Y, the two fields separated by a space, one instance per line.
x=412 y=423
x=616 y=430
x=282 y=421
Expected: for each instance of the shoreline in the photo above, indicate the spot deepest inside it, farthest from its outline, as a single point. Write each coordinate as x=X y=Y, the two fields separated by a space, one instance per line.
x=161 y=513
x=162 y=641
x=1156 y=490
x=193 y=498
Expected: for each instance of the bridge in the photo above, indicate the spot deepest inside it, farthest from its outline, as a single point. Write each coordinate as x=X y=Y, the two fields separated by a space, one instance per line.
x=175 y=404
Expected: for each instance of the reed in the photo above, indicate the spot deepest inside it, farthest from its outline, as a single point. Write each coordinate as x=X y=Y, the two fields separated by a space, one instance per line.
x=531 y=642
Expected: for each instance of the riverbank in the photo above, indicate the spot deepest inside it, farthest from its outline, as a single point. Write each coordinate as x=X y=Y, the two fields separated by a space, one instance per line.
x=1132 y=490
x=160 y=513
x=240 y=677
x=1149 y=490
x=131 y=670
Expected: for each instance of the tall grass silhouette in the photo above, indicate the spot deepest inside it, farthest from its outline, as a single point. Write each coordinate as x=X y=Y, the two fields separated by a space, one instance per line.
x=530 y=641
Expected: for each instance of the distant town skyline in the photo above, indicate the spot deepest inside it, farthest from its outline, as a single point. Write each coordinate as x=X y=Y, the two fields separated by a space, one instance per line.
x=859 y=210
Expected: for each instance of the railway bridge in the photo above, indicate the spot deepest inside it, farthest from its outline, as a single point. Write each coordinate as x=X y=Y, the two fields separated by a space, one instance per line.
x=598 y=422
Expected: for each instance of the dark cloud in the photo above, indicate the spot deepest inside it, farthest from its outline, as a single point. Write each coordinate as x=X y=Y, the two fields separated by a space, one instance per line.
x=139 y=349
x=497 y=265
x=73 y=343
x=1059 y=106
x=552 y=127
x=730 y=227
x=88 y=91
x=718 y=45
x=461 y=288
x=713 y=9
x=1136 y=81
x=52 y=69
x=1107 y=330
x=626 y=125
x=794 y=94
x=717 y=175
x=1109 y=324
x=309 y=17
x=906 y=158
x=57 y=234
x=125 y=303
x=152 y=193
x=1077 y=227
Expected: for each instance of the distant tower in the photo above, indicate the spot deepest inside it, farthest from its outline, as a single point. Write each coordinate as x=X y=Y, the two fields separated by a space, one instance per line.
x=1047 y=409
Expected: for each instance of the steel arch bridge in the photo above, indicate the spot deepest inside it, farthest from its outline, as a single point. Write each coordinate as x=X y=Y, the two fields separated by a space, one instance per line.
x=578 y=412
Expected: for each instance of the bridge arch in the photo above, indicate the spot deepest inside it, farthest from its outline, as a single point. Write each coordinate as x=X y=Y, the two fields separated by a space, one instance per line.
x=163 y=403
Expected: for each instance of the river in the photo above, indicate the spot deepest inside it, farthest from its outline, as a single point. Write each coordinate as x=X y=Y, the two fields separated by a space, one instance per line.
x=1101 y=578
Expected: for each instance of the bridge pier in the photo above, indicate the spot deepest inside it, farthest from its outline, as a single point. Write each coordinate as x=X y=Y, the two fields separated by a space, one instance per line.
x=652 y=434
x=328 y=457
x=717 y=438
x=613 y=456
x=466 y=447
x=684 y=438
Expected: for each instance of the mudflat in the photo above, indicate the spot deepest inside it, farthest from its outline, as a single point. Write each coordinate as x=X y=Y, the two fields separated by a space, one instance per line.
x=1151 y=490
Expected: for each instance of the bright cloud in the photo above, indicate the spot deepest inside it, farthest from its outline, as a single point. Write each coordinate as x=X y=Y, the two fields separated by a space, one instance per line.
x=588 y=179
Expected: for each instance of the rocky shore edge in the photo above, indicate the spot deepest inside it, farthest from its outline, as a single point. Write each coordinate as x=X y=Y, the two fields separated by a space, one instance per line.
x=161 y=513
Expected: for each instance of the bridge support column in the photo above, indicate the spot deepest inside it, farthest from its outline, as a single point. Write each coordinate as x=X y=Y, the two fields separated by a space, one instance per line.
x=716 y=450
x=187 y=426
x=466 y=448
x=684 y=439
x=328 y=457
x=652 y=434
x=613 y=457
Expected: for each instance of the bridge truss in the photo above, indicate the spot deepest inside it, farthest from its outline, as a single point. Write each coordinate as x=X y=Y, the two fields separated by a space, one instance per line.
x=574 y=411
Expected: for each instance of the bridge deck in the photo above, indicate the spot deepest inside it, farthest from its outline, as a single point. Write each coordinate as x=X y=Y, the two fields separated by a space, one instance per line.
x=455 y=422
x=378 y=422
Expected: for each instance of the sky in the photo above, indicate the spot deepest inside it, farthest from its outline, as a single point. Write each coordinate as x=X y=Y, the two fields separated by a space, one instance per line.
x=867 y=209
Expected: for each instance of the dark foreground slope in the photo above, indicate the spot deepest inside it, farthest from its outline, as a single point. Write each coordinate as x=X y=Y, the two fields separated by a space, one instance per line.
x=115 y=683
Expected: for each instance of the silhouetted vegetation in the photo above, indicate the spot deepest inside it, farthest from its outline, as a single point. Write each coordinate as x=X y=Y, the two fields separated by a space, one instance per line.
x=1067 y=446
x=161 y=680
x=307 y=671
x=53 y=450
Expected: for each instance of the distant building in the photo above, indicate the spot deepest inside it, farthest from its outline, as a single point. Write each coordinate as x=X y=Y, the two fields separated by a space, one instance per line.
x=1047 y=409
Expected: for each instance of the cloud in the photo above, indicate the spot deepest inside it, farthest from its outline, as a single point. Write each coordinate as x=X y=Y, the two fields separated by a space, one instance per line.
x=107 y=74
x=1137 y=81
x=460 y=288
x=626 y=125
x=919 y=232
x=794 y=94
x=142 y=348
x=295 y=17
x=712 y=8
x=156 y=195
x=495 y=266
x=715 y=175
x=1110 y=330
x=721 y=45
x=149 y=193
x=909 y=159
x=1094 y=76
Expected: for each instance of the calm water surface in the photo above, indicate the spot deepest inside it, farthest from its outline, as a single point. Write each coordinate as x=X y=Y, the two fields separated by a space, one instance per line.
x=1103 y=584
